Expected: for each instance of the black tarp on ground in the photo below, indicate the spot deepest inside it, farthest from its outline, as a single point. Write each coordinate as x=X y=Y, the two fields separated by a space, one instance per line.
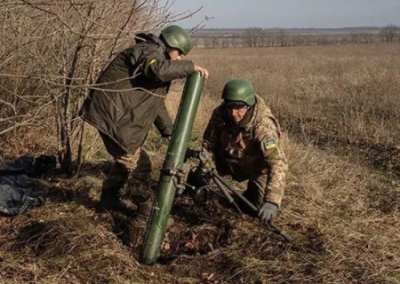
x=18 y=191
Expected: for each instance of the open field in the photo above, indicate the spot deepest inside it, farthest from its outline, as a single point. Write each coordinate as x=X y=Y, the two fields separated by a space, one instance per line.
x=325 y=96
x=339 y=107
x=277 y=37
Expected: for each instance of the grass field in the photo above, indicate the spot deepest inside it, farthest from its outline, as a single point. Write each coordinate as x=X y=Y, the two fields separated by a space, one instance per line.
x=339 y=107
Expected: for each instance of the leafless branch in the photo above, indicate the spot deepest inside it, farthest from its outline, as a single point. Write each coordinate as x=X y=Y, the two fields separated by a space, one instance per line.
x=52 y=51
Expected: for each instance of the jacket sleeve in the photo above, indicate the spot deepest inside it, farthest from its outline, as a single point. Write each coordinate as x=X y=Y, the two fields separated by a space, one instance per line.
x=267 y=133
x=163 y=121
x=165 y=70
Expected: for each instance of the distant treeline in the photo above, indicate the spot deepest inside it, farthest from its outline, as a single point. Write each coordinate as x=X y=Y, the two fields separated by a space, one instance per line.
x=258 y=37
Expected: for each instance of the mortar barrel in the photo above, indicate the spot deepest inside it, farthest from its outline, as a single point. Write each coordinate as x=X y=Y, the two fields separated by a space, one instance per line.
x=174 y=158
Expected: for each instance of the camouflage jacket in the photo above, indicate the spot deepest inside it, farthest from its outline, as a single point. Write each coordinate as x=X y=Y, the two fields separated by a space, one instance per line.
x=248 y=149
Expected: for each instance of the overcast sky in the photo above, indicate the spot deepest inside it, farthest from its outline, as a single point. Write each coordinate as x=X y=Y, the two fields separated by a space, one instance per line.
x=290 y=13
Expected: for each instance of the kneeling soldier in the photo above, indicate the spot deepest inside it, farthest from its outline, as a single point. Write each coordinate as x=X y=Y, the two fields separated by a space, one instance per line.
x=243 y=138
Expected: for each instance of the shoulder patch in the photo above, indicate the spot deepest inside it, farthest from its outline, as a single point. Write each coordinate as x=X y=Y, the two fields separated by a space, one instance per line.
x=269 y=144
x=152 y=61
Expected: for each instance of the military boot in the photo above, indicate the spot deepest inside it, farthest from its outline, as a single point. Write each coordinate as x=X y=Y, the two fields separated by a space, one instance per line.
x=144 y=211
x=109 y=200
x=110 y=193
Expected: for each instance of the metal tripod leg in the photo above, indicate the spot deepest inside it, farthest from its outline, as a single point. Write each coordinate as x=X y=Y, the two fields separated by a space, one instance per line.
x=220 y=181
x=226 y=194
x=244 y=199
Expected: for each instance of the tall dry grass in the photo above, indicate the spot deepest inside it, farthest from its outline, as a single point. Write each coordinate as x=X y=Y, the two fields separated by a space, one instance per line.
x=339 y=107
x=328 y=94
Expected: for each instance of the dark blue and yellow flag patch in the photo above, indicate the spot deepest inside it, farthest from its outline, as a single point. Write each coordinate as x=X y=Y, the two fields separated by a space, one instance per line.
x=269 y=144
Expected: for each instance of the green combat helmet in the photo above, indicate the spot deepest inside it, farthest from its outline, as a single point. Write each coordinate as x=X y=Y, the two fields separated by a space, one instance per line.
x=178 y=38
x=239 y=90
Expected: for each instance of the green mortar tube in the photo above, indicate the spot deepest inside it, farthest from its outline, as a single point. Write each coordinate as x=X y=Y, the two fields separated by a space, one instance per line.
x=172 y=170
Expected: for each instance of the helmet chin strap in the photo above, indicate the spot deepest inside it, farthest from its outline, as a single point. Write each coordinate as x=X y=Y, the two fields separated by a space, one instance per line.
x=168 y=52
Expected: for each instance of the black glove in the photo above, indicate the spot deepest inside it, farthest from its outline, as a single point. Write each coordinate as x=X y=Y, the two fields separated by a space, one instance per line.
x=267 y=211
x=198 y=177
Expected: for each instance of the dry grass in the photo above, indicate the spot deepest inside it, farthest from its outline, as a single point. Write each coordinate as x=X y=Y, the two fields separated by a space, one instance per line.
x=340 y=110
x=343 y=97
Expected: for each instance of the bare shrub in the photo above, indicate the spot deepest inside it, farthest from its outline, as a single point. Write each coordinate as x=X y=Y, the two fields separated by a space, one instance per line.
x=389 y=34
x=52 y=51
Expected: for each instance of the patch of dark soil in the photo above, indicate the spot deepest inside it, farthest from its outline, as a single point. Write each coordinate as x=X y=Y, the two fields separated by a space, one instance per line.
x=60 y=189
x=197 y=240
x=308 y=240
x=192 y=212
x=95 y=169
x=385 y=198
x=210 y=228
x=29 y=236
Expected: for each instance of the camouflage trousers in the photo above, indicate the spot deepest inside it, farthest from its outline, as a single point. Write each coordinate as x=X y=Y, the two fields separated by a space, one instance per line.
x=130 y=172
x=255 y=192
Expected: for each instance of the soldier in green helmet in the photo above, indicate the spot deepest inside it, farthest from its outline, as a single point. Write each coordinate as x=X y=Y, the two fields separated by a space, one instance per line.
x=244 y=140
x=129 y=97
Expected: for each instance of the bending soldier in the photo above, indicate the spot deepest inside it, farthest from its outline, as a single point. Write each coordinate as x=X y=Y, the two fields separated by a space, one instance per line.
x=243 y=138
x=128 y=99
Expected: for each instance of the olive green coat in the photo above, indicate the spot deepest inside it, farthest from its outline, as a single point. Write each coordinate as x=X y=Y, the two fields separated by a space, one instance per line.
x=129 y=96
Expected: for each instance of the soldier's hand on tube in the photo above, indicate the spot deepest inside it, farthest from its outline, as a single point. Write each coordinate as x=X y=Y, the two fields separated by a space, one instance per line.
x=203 y=71
x=267 y=211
